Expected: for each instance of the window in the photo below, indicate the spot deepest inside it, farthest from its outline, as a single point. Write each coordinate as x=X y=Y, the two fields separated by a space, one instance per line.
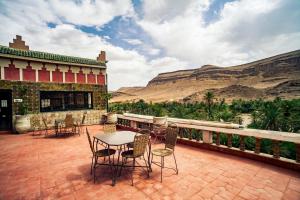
x=59 y=101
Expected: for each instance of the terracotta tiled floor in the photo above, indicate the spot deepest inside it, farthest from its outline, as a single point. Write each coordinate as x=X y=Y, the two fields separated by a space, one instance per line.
x=34 y=167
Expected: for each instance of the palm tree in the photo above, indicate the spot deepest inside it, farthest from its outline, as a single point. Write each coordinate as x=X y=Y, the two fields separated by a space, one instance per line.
x=209 y=101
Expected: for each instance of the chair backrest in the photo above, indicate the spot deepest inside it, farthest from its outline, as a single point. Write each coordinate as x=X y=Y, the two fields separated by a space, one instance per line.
x=83 y=118
x=69 y=121
x=35 y=122
x=140 y=144
x=45 y=122
x=171 y=137
x=144 y=131
x=90 y=141
x=109 y=128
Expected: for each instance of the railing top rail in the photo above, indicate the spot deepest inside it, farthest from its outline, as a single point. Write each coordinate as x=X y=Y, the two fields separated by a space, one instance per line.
x=227 y=129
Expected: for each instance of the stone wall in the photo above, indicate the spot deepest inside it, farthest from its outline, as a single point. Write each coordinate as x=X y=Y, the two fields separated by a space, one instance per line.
x=92 y=116
x=31 y=98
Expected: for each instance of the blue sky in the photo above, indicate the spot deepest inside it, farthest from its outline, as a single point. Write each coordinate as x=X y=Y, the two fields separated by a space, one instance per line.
x=145 y=38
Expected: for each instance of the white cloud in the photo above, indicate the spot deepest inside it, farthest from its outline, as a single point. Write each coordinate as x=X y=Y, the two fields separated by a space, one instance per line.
x=125 y=67
x=89 y=13
x=246 y=30
x=133 y=41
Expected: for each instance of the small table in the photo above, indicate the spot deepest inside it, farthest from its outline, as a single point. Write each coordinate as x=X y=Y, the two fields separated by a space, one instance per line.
x=118 y=138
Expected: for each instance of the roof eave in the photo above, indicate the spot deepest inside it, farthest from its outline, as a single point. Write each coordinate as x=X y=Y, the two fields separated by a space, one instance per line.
x=101 y=65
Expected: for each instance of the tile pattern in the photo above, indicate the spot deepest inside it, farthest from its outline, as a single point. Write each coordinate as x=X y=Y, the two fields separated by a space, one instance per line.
x=34 y=167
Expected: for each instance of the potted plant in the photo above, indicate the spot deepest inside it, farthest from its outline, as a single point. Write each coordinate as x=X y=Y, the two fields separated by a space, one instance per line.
x=22 y=123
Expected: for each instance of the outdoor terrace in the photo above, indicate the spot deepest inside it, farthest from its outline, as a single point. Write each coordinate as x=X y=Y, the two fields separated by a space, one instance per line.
x=35 y=167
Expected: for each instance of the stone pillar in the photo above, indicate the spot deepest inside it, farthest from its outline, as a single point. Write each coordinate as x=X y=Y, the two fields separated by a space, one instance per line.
x=218 y=139
x=276 y=149
x=242 y=143
x=207 y=137
x=133 y=124
x=297 y=153
x=229 y=140
x=189 y=131
x=257 y=145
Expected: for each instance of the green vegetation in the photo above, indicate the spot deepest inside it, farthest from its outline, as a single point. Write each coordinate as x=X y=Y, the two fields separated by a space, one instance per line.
x=278 y=115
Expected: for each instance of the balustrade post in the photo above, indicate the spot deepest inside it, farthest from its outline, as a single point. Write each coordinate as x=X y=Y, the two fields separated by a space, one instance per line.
x=190 y=133
x=297 y=153
x=181 y=132
x=242 y=143
x=133 y=124
x=229 y=140
x=218 y=139
x=276 y=149
x=257 y=145
x=198 y=135
x=207 y=137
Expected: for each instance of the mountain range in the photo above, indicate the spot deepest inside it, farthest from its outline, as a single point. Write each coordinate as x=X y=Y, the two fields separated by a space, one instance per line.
x=276 y=76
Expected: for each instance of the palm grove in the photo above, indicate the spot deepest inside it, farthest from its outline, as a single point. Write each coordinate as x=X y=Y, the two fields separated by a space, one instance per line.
x=278 y=115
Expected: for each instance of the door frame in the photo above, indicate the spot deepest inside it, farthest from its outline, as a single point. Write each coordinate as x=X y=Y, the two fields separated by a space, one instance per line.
x=10 y=99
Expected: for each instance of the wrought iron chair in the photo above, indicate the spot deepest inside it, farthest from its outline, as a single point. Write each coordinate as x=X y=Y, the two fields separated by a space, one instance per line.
x=79 y=124
x=109 y=128
x=139 y=147
x=48 y=123
x=142 y=131
x=69 y=127
x=102 y=153
x=170 y=142
x=35 y=124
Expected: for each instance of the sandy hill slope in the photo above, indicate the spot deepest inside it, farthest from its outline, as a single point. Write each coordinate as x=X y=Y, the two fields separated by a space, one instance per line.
x=277 y=76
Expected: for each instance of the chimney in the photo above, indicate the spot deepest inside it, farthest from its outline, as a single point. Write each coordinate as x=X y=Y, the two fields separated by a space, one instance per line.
x=18 y=43
x=102 y=57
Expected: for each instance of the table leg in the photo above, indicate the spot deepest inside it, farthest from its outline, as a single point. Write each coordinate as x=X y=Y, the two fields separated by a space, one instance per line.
x=116 y=170
x=149 y=154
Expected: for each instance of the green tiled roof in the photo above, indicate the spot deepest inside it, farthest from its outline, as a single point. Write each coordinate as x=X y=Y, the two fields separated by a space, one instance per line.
x=48 y=56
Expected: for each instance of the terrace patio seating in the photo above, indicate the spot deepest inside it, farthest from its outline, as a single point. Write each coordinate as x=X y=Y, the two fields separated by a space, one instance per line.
x=69 y=127
x=109 y=128
x=96 y=154
x=160 y=125
x=142 y=131
x=170 y=142
x=35 y=124
x=48 y=123
x=139 y=148
x=79 y=124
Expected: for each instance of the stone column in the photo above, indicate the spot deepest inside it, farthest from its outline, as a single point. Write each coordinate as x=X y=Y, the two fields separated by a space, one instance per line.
x=229 y=140
x=218 y=139
x=276 y=149
x=257 y=145
x=297 y=153
x=242 y=143
x=207 y=137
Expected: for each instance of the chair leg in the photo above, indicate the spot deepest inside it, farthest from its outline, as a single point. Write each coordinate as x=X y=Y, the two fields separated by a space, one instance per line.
x=175 y=163
x=161 y=167
x=92 y=165
x=122 y=165
x=96 y=161
x=133 y=166
x=147 y=167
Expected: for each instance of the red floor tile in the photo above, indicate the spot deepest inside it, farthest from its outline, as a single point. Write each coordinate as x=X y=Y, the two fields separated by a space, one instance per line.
x=35 y=167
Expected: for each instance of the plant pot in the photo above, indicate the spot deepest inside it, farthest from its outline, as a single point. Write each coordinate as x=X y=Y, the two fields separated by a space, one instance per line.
x=112 y=118
x=22 y=124
x=161 y=121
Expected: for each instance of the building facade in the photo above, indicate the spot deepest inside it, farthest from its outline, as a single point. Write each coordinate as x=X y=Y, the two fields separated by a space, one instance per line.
x=52 y=85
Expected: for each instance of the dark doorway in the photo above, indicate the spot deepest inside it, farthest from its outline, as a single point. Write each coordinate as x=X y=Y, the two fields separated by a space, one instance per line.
x=5 y=110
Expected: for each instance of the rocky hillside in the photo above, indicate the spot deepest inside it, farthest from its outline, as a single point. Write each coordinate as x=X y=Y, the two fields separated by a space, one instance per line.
x=267 y=78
